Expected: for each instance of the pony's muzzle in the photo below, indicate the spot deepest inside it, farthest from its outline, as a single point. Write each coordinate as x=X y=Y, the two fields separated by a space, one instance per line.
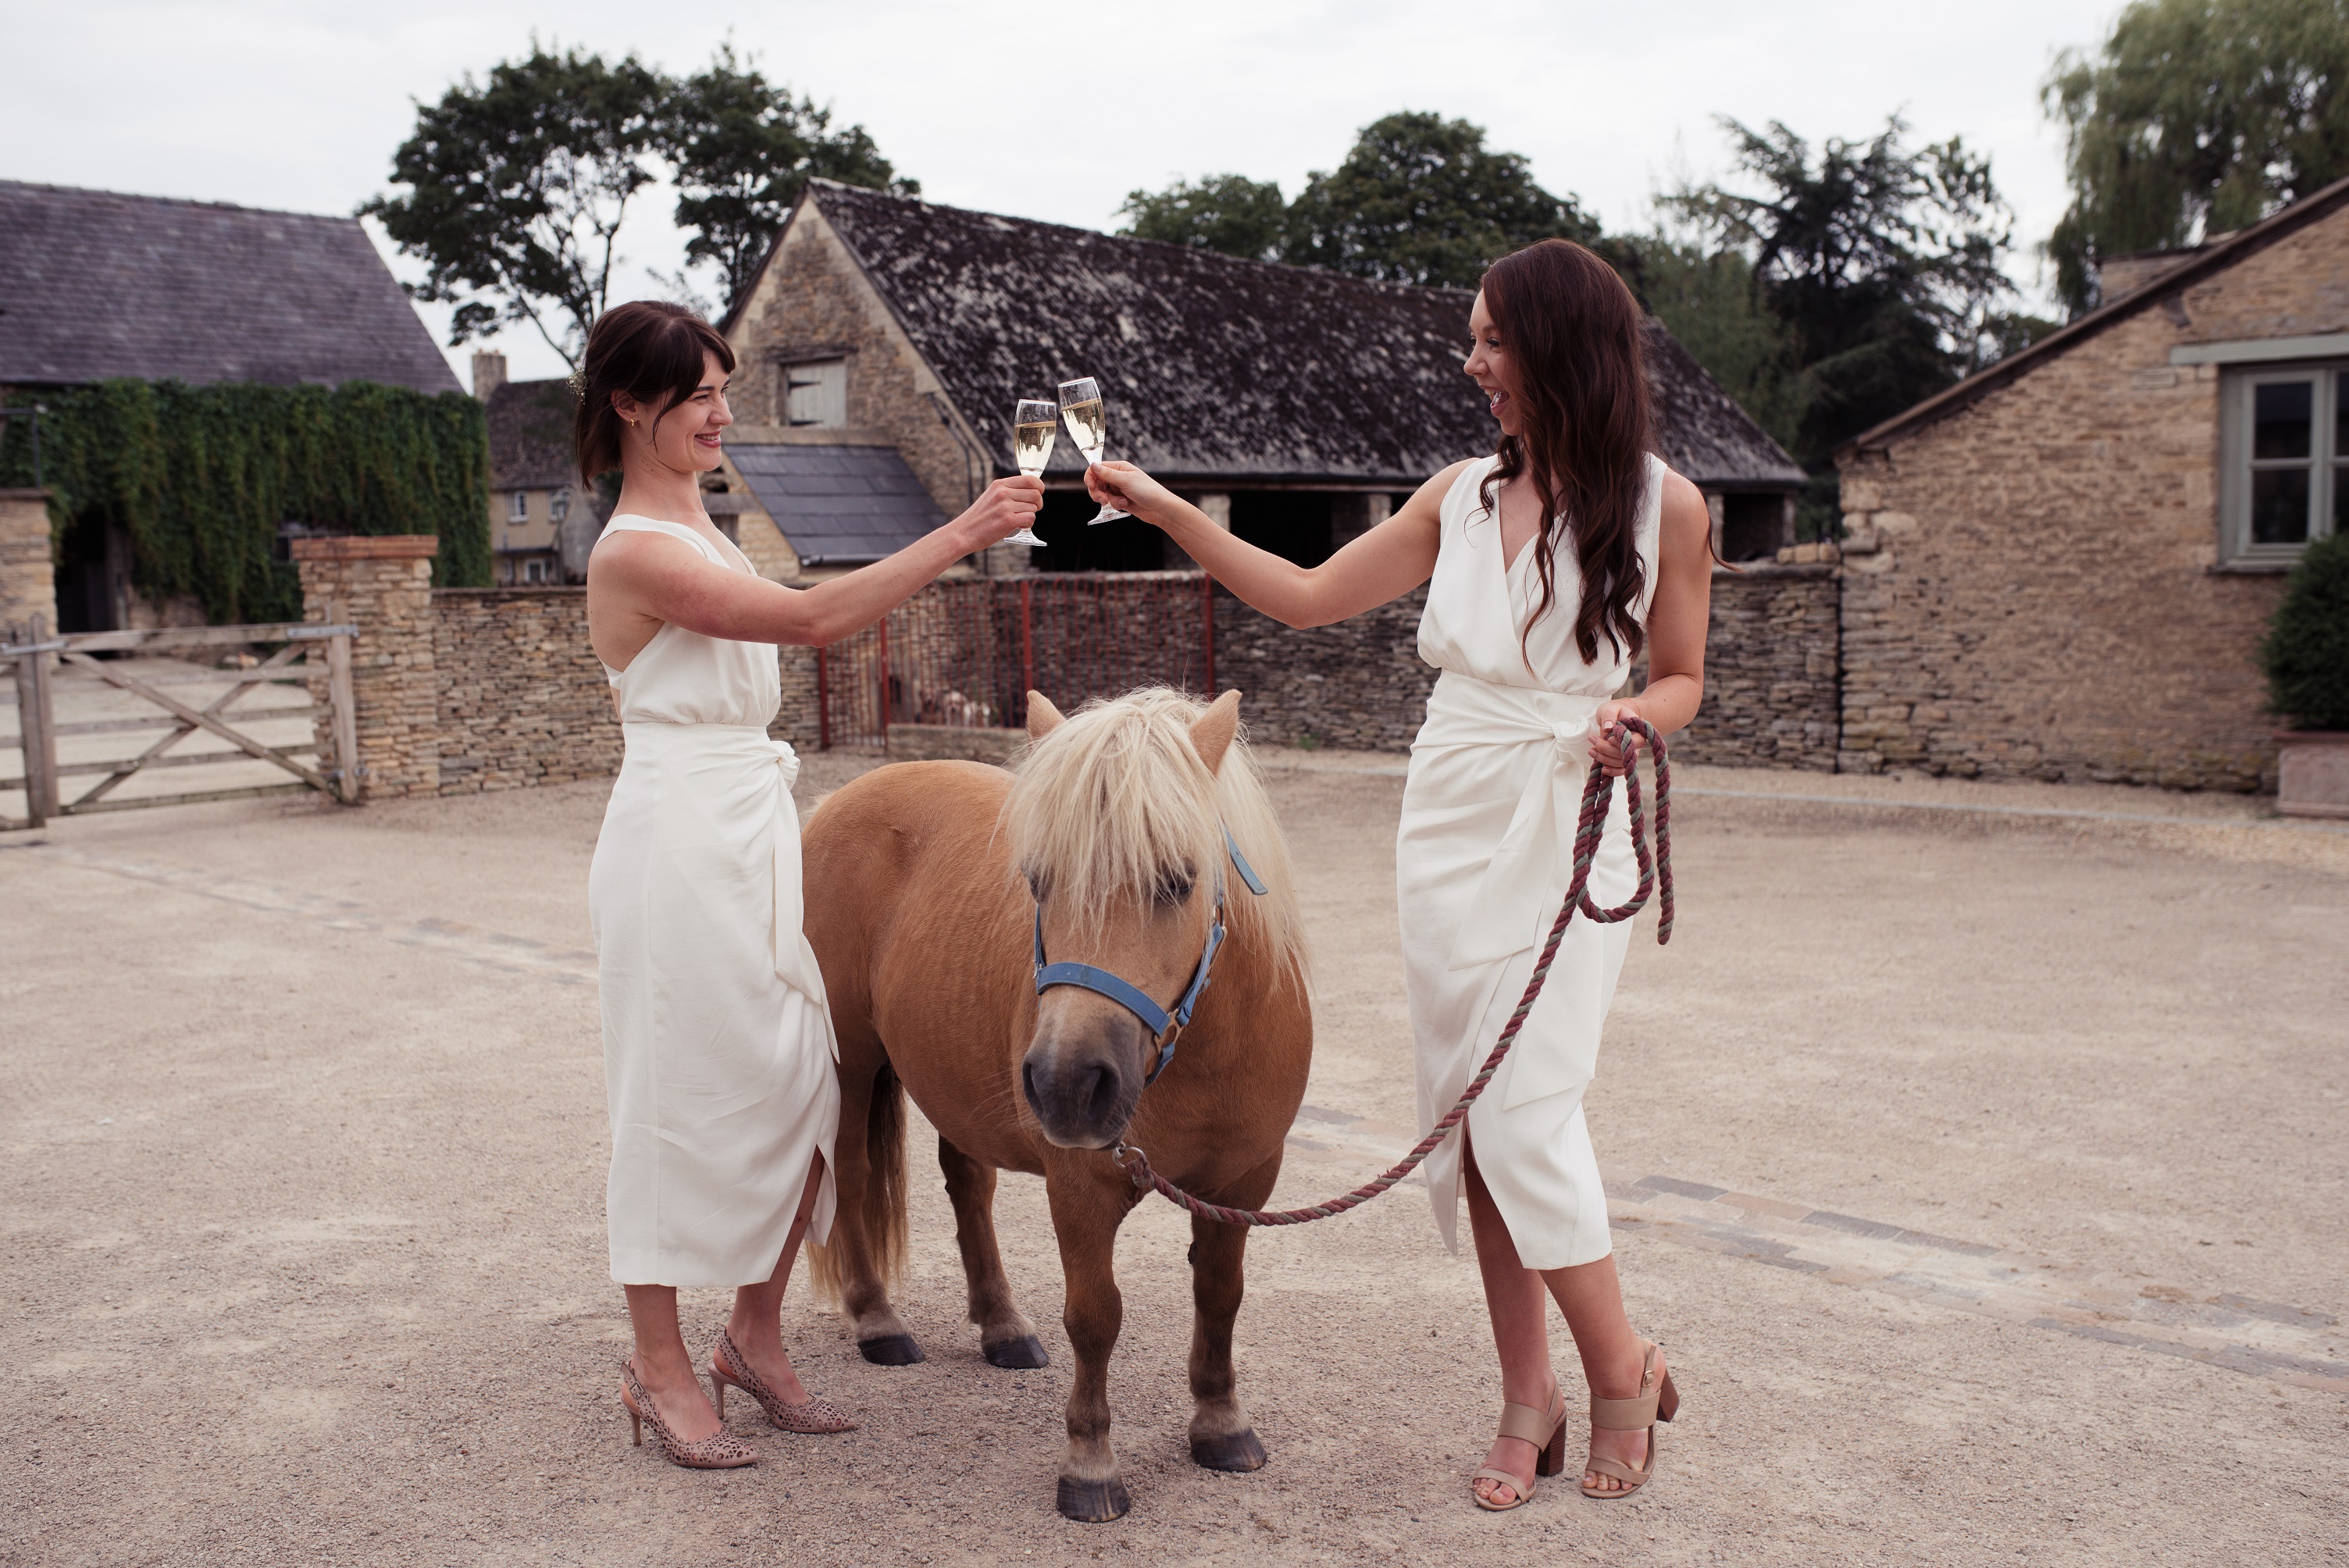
x=1081 y=1079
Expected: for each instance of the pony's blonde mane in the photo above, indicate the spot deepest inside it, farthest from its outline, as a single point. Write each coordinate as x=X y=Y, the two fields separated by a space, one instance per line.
x=1104 y=804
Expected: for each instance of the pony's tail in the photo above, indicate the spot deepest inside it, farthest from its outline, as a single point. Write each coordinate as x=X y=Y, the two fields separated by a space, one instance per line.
x=882 y=1209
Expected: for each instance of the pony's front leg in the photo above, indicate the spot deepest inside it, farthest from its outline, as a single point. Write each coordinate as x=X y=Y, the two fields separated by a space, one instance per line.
x=1090 y=1199
x=1006 y=1338
x=1222 y=1437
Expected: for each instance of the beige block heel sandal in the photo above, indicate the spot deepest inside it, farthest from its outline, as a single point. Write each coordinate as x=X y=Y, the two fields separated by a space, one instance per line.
x=1546 y=1433
x=1656 y=1402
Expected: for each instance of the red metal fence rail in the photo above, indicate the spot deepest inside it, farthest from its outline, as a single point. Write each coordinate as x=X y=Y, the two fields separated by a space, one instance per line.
x=968 y=652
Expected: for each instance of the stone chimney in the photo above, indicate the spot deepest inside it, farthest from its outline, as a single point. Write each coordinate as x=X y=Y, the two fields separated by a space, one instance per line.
x=488 y=373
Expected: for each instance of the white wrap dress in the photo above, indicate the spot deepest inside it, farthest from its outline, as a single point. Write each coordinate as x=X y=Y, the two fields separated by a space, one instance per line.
x=717 y=1044
x=1483 y=857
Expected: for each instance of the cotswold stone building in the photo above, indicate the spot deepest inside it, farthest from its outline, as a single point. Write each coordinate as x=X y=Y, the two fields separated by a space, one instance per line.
x=884 y=341
x=2061 y=567
x=544 y=519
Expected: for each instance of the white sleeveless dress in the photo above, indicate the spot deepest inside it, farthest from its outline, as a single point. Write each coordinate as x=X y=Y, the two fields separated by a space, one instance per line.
x=1483 y=857
x=717 y=1045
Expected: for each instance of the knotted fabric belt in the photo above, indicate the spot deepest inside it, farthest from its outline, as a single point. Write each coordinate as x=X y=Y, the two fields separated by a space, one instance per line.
x=1530 y=863
x=743 y=777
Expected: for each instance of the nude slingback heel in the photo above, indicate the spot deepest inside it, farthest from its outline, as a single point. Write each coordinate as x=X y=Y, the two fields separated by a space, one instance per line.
x=1654 y=1402
x=1546 y=1433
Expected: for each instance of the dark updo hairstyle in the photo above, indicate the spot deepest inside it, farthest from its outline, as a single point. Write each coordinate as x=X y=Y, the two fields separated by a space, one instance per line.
x=1574 y=332
x=652 y=351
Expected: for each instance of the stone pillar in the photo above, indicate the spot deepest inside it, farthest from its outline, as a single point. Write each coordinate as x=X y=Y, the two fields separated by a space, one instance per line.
x=383 y=583
x=28 y=581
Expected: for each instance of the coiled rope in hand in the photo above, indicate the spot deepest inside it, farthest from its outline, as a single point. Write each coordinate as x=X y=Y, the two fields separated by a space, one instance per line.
x=1655 y=875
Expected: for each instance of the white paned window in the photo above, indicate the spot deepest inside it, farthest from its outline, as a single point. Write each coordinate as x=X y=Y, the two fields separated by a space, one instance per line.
x=534 y=571
x=815 y=394
x=2285 y=458
x=518 y=506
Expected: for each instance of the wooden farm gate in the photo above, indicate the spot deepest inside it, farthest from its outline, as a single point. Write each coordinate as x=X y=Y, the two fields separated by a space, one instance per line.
x=36 y=660
x=967 y=652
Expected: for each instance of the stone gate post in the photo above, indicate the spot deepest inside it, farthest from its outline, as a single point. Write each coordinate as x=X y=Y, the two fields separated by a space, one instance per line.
x=383 y=583
x=27 y=580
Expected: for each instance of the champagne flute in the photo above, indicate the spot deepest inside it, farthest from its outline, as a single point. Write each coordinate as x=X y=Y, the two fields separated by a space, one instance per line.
x=1032 y=435
x=1080 y=406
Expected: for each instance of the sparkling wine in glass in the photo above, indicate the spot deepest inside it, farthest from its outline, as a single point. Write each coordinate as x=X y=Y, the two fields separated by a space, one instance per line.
x=1033 y=432
x=1080 y=408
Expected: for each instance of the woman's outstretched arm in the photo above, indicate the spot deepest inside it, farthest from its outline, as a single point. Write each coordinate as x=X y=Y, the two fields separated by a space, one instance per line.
x=638 y=580
x=1385 y=564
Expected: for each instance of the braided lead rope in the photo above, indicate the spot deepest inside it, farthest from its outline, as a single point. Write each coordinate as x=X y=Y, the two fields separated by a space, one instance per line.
x=1655 y=876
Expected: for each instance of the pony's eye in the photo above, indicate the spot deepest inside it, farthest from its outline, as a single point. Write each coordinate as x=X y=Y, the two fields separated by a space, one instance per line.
x=1037 y=885
x=1174 y=886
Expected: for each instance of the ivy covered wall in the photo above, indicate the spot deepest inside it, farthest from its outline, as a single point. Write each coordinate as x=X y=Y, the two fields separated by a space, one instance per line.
x=200 y=478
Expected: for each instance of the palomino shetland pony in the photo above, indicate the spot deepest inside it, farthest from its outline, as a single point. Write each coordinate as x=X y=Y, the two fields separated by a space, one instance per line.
x=933 y=890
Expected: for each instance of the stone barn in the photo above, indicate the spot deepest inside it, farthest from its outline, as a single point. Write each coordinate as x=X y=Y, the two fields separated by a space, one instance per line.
x=2061 y=567
x=97 y=284
x=884 y=341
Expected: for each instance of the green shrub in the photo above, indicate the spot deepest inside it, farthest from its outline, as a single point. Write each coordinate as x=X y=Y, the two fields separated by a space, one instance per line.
x=2306 y=653
x=200 y=478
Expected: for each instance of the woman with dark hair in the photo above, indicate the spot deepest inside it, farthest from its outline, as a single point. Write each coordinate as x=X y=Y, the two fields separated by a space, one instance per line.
x=1550 y=565
x=717 y=1044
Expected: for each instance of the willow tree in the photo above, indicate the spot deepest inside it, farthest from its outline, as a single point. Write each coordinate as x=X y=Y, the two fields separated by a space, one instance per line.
x=2196 y=117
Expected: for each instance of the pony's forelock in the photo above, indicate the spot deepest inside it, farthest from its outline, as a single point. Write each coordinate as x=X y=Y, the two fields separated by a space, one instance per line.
x=1116 y=796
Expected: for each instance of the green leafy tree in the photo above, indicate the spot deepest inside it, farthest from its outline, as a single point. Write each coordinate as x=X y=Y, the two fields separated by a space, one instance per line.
x=744 y=148
x=1226 y=212
x=1708 y=300
x=1880 y=262
x=517 y=187
x=1421 y=199
x=2196 y=117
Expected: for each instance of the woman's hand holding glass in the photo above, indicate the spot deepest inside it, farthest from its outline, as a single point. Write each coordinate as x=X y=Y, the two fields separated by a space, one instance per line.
x=1002 y=512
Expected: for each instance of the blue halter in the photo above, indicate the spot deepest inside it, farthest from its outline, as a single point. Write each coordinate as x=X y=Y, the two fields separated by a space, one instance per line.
x=1166 y=1026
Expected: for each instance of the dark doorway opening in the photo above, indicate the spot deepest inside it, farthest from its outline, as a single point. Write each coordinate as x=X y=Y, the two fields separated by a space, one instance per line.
x=1291 y=524
x=1753 y=527
x=1071 y=544
x=91 y=573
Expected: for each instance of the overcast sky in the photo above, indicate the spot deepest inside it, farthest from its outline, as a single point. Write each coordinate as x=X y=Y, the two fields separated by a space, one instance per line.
x=298 y=105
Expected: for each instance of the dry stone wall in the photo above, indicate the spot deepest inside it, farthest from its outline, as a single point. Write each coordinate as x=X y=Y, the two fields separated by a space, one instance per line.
x=383 y=585
x=520 y=696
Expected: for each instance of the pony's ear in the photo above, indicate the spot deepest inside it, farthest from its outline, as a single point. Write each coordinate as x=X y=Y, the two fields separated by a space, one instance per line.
x=1213 y=731
x=1042 y=716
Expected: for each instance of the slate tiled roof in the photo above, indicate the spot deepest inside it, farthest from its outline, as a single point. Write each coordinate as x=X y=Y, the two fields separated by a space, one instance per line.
x=838 y=505
x=530 y=435
x=94 y=285
x=1219 y=370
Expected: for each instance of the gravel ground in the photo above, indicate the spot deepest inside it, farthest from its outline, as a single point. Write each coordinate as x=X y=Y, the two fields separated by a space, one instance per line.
x=1984 y=1173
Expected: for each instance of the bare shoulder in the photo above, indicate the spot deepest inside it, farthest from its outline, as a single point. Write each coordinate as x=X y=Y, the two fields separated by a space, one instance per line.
x=1686 y=523
x=1427 y=501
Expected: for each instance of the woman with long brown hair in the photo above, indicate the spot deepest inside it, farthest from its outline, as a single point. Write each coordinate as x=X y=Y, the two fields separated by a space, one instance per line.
x=717 y=1042
x=1552 y=565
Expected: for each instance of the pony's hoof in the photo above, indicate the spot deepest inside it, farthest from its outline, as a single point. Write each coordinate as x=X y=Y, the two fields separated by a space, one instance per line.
x=1093 y=1501
x=1238 y=1450
x=891 y=1350
x=1023 y=1354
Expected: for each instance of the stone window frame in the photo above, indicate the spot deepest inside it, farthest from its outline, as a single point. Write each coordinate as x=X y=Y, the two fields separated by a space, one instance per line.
x=518 y=506
x=2328 y=457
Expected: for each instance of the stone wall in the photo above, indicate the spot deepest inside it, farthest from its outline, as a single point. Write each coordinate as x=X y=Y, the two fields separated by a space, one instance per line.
x=519 y=696
x=27 y=583
x=1358 y=684
x=2032 y=587
x=1770 y=672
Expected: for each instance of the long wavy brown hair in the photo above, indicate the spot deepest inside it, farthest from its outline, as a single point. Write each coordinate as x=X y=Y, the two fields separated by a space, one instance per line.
x=1573 y=331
